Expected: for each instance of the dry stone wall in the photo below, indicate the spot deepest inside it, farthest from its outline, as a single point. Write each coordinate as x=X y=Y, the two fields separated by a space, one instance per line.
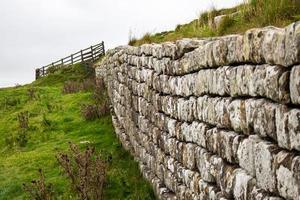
x=217 y=118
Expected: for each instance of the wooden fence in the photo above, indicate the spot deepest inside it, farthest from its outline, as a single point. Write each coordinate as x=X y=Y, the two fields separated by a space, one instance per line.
x=85 y=55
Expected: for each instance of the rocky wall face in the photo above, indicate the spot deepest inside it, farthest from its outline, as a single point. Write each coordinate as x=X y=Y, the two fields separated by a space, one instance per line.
x=212 y=119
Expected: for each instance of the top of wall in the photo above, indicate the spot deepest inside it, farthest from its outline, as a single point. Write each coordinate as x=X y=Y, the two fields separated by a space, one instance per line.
x=269 y=45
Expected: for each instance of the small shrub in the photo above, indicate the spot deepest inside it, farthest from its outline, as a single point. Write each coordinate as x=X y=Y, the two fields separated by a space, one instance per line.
x=89 y=112
x=77 y=86
x=93 y=111
x=104 y=108
x=22 y=138
x=86 y=171
x=100 y=91
x=101 y=107
x=88 y=84
x=32 y=94
x=100 y=84
x=71 y=87
x=38 y=189
x=23 y=119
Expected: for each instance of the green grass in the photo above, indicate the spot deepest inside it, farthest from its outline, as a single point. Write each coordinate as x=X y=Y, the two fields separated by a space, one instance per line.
x=255 y=14
x=64 y=123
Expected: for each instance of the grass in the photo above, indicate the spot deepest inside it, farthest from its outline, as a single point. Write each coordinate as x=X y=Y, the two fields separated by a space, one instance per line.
x=54 y=120
x=254 y=14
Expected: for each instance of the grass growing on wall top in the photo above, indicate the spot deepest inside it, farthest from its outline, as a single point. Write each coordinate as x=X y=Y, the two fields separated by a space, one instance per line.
x=54 y=120
x=254 y=14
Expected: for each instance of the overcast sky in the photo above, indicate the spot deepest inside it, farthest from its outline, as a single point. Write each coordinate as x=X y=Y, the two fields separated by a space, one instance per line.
x=34 y=33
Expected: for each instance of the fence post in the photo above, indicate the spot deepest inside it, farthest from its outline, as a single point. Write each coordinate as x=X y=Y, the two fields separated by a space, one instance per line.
x=81 y=56
x=37 y=74
x=72 y=59
x=92 y=52
x=103 y=48
x=62 y=62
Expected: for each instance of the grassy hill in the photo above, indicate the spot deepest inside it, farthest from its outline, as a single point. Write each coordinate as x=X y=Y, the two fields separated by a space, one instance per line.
x=251 y=14
x=54 y=119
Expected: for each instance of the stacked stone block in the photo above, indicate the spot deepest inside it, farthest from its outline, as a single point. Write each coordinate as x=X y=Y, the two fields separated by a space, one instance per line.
x=217 y=118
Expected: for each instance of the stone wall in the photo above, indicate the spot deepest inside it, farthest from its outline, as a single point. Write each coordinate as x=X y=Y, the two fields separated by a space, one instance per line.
x=217 y=118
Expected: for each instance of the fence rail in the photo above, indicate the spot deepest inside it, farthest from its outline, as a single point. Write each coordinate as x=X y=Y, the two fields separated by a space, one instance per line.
x=85 y=55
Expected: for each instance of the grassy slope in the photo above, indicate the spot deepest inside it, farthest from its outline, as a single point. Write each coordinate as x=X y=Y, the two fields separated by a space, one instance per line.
x=20 y=164
x=257 y=13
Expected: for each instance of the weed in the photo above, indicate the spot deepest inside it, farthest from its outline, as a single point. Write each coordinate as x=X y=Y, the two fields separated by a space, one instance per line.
x=101 y=107
x=146 y=39
x=88 y=84
x=104 y=109
x=71 y=87
x=32 y=93
x=89 y=112
x=22 y=138
x=86 y=171
x=23 y=118
x=78 y=86
x=38 y=189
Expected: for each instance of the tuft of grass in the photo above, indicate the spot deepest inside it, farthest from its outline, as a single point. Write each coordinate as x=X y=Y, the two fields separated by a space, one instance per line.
x=251 y=14
x=226 y=23
x=271 y=12
x=146 y=39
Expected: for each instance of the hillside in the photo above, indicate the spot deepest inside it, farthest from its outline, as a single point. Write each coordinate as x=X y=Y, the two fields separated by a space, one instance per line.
x=54 y=119
x=237 y=20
